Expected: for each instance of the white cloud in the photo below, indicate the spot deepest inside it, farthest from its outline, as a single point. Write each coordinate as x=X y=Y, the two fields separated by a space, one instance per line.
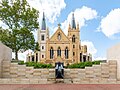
x=91 y=48
x=52 y=8
x=110 y=25
x=81 y=15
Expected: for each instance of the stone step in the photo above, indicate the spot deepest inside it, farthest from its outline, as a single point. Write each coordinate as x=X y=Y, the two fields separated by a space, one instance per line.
x=51 y=79
x=54 y=80
x=59 y=81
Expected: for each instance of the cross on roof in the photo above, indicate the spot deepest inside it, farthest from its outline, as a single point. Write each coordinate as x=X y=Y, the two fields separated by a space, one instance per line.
x=59 y=25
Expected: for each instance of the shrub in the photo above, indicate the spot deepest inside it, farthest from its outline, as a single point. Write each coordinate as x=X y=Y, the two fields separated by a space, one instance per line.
x=88 y=64
x=14 y=61
x=49 y=66
x=38 y=65
x=21 y=63
x=83 y=64
x=77 y=65
x=30 y=64
x=96 y=62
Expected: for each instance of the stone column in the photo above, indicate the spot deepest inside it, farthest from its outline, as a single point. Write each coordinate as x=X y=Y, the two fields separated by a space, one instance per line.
x=62 y=54
x=30 y=57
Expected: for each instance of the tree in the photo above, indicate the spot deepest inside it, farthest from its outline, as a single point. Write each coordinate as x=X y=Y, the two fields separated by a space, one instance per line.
x=36 y=48
x=21 y=20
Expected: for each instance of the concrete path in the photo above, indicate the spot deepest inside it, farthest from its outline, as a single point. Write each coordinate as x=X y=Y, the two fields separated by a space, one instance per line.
x=61 y=87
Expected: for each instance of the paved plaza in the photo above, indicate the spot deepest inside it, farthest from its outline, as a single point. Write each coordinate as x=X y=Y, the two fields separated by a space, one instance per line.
x=61 y=87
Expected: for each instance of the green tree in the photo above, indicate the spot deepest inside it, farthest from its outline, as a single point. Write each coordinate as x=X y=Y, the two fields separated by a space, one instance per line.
x=37 y=47
x=21 y=20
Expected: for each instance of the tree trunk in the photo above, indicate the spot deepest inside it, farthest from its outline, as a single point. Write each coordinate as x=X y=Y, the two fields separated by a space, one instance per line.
x=16 y=55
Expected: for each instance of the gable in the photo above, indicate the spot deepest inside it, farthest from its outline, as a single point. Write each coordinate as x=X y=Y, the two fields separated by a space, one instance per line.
x=59 y=36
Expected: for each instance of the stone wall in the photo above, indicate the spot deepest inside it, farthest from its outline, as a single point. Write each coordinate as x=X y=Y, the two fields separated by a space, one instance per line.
x=103 y=73
x=113 y=53
x=13 y=70
x=5 y=54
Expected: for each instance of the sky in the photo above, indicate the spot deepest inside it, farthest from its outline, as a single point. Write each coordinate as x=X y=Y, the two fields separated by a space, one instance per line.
x=99 y=21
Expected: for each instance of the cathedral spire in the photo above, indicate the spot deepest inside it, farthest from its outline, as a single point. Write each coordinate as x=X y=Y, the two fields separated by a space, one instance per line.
x=43 y=22
x=73 y=22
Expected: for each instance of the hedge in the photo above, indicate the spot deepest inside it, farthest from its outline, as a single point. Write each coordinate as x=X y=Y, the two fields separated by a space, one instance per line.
x=84 y=64
x=76 y=65
x=35 y=64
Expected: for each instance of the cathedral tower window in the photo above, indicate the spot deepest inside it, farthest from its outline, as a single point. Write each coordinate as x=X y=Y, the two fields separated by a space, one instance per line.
x=42 y=47
x=73 y=38
x=51 y=53
x=42 y=56
x=73 y=46
x=42 y=37
x=59 y=52
x=66 y=53
x=73 y=53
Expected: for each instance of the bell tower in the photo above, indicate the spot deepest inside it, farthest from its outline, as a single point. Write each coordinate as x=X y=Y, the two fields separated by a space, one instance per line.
x=43 y=36
x=73 y=35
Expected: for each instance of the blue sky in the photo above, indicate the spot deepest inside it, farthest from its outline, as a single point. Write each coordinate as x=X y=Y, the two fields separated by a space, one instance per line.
x=99 y=21
x=89 y=31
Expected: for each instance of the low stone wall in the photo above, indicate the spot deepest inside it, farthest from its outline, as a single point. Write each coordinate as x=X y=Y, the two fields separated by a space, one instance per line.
x=13 y=70
x=103 y=73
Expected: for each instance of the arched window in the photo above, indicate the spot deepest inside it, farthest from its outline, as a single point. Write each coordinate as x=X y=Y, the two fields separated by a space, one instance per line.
x=66 y=53
x=59 y=36
x=59 y=52
x=73 y=38
x=73 y=46
x=51 y=53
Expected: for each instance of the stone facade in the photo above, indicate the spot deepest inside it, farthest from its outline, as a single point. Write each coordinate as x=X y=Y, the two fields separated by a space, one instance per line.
x=60 y=47
x=97 y=74
x=5 y=54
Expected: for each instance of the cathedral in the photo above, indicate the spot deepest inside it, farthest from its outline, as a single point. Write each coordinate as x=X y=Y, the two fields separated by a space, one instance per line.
x=60 y=47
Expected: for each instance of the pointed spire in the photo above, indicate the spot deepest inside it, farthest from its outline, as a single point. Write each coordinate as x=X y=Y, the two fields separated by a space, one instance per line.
x=43 y=22
x=73 y=22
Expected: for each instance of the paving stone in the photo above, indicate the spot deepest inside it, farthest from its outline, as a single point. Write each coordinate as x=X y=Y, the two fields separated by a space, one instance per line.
x=42 y=81
x=112 y=81
x=34 y=81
